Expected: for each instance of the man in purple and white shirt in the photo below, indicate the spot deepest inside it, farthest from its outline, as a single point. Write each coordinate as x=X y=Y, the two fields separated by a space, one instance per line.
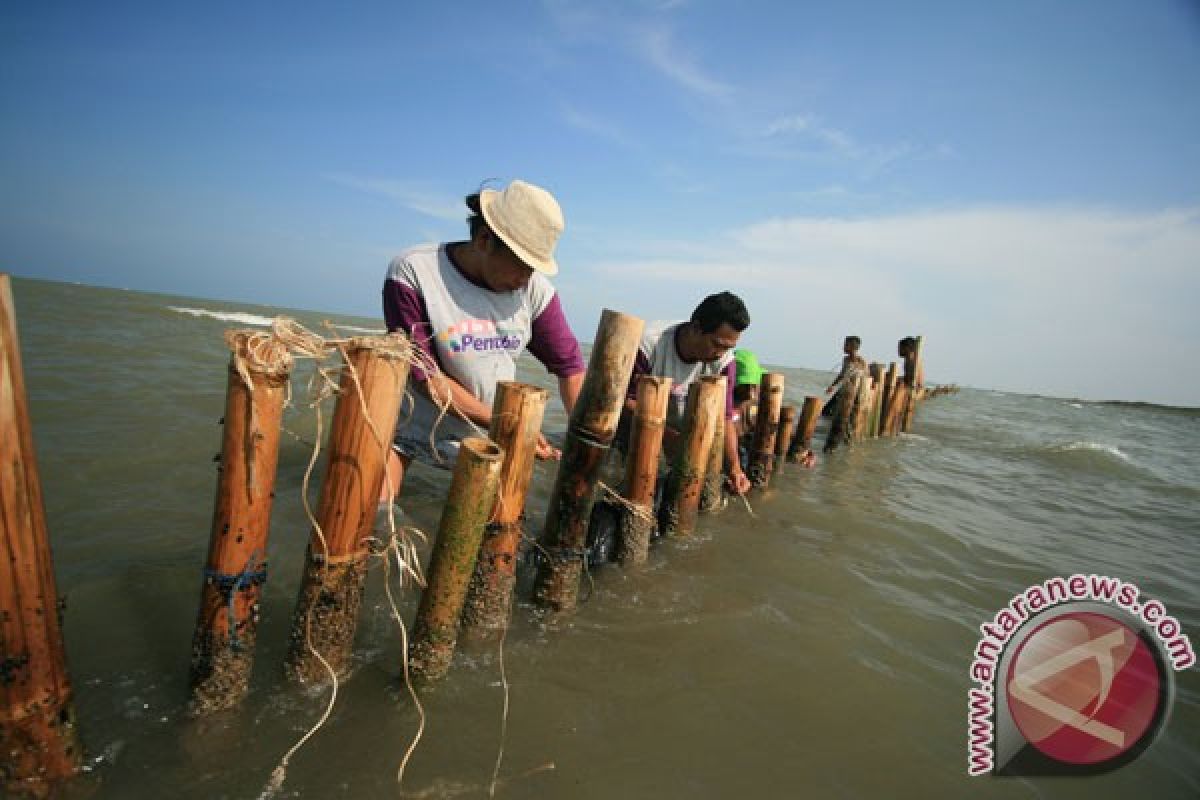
x=686 y=351
x=472 y=308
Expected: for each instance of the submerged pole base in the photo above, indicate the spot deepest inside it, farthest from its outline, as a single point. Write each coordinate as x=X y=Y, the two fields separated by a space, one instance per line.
x=220 y=672
x=326 y=618
x=490 y=595
x=761 y=469
x=39 y=750
x=633 y=542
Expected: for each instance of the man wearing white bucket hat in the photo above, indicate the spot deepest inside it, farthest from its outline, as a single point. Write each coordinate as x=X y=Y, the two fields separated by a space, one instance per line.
x=473 y=307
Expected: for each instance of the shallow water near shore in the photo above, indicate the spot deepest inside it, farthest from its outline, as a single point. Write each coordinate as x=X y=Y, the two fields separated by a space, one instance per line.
x=819 y=647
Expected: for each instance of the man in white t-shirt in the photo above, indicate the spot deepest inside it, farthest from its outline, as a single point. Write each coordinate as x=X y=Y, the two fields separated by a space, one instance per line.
x=686 y=351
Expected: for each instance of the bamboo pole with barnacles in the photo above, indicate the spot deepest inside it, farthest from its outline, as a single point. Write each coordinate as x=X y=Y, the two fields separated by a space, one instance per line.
x=787 y=428
x=641 y=469
x=714 y=474
x=227 y=622
x=590 y=432
x=762 y=452
x=889 y=391
x=472 y=497
x=810 y=415
x=370 y=388
x=517 y=415
x=681 y=500
x=39 y=744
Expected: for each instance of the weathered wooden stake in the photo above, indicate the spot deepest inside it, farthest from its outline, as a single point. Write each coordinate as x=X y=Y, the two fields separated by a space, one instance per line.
x=913 y=382
x=889 y=390
x=227 y=623
x=589 y=434
x=516 y=420
x=787 y=428
x=681 y=500
x=810 y=415
x=39 y=744
x=900 y=399
x=472 y=497
x=714 y=473
x=335 y=567
x=873 y=425
x=762 y=453
x=641 y=469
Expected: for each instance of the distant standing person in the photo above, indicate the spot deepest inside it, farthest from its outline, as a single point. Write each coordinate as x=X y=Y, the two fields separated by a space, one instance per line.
x=845 y=391
x=914 y=375
x=686 y=351
x=472 y=307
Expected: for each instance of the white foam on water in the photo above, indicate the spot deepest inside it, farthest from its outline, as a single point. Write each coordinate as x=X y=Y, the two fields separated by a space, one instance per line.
x=1075 y=405
x=916 y=437
x=1096 y=446
x=225 y=316
x=372 y=331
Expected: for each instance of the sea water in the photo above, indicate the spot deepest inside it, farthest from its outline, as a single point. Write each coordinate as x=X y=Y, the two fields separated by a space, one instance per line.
x=817 y=646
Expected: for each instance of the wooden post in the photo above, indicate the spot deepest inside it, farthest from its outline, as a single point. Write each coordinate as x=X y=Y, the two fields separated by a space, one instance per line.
x=641 y=469
x=762 y=453
x=714 y=473
x=914 y=381
x=472 y=497
x=681 y=500
x=335 y=567
x=889 y=390
x=876 y=399
x=589 y=435
x=862 y=406
x=787 y=428
x=39 y=744
x=900 y=398
x=227 y=623
x=516 y=421
x=810 y=415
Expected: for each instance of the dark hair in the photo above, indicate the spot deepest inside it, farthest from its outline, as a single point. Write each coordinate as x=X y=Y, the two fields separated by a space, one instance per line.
x=476 y=222
x=741 y=392
x=854 y=340
x=724 y=307
x=908 y=343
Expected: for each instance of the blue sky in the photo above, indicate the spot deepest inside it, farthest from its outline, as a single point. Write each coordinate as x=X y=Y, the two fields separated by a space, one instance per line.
x=1018 y=181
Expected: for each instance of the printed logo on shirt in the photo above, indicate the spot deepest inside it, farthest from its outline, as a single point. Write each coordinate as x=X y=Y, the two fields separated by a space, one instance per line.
x=478 y=336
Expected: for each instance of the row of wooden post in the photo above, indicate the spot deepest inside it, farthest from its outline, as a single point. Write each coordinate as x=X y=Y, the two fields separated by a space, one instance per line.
x=472 y=570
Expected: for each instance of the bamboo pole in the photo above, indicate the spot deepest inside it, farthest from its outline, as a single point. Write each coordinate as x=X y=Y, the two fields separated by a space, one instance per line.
x=473 y=492
x=641 y=469
x=589 y=434
x=714 y=473
x=876 y=399
x=371 y=385
x=889 y=390
x=810 y=415
x=227 y=622
x=900 y=399
x=681 y=500
x=914 y=381
x=787 y=428
x=762 y=453
x=862 y=406
x=39 y=745
x=516 y=421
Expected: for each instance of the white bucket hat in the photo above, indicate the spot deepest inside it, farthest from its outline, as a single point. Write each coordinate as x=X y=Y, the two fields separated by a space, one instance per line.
x=528 y=219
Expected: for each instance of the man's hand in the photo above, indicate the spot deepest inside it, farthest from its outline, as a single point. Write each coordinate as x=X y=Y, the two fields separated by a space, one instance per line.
x=809 y=459
x=737 y=482
x=546 y=451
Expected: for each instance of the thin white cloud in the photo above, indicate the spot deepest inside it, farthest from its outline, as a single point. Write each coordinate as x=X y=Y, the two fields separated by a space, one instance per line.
x=409 y=194
x=658 y=47
x=596 y=126
x=1074 y=301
